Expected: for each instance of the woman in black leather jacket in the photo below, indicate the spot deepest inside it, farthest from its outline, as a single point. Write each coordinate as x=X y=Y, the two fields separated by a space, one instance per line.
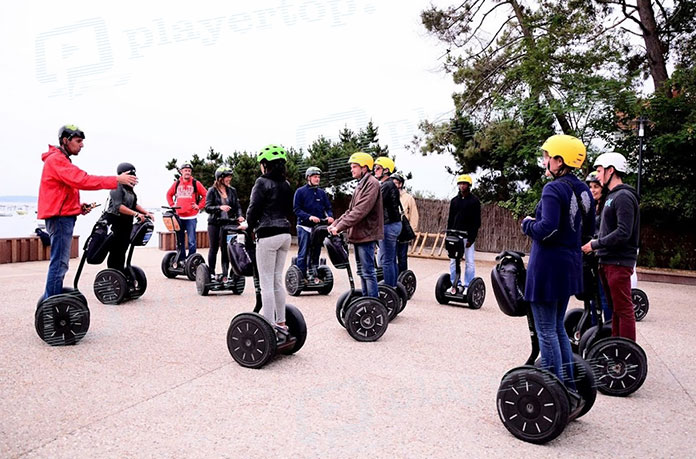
x=220 y=203
x=268 y=215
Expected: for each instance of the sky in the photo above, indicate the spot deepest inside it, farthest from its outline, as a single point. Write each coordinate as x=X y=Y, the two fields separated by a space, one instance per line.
x=152 y=81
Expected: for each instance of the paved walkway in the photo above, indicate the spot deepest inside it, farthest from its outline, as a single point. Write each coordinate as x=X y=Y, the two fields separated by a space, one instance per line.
x=153 y=378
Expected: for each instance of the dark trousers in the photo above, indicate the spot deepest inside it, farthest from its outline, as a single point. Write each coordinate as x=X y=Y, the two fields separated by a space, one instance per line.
x=217 y=242
x=402 y=256
x=121 y=226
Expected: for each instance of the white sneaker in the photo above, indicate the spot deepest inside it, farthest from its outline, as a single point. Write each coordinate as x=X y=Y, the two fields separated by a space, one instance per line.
x=453 y=290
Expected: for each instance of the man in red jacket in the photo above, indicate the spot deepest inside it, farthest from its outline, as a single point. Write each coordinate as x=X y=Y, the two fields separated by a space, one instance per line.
x=59 y=199
x=189 y=195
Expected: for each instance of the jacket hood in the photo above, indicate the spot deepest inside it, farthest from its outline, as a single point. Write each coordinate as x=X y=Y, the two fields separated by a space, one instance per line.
x=52 y=150
x=623 y=186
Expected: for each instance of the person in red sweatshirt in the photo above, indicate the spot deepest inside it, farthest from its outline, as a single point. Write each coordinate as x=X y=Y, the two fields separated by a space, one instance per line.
x=59 y=199
x=189 y=195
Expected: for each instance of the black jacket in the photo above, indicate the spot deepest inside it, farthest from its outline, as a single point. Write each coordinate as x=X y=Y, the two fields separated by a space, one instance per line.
x=270 y=207
x=213 y=201
x=390 y=200
x=465 y=215
x=619 y=228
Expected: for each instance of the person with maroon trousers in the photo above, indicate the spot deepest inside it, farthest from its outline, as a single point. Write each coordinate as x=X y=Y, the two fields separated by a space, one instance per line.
x=617 y=243
x=189 y=195
x=59 y=199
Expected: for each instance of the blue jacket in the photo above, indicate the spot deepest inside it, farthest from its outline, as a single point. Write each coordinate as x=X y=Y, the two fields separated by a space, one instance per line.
x=565 y=218
x=311 y=201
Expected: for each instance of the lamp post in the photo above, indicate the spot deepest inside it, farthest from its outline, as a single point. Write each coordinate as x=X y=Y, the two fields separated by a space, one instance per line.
x=641 y=134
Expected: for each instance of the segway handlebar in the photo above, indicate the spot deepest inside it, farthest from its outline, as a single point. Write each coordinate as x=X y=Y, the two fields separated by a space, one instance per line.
x=171 y=207
x=456 y=232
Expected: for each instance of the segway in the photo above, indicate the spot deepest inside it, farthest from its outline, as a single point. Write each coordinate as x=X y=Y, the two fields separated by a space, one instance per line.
x=63 y=319
x=112 y=286
x=365 y=318
x=641 y=304
x=388 y=293
x=533 y=404
x=475 y=294
x=406 y=283
x=251 y=339
x=319 y=277
x=171 y=267
x=227 y=280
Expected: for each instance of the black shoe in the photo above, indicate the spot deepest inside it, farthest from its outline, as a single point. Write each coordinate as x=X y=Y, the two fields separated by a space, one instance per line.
x=577 y=403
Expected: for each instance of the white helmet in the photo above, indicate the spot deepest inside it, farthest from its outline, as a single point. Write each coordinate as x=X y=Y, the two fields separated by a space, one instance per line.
x=612 y=159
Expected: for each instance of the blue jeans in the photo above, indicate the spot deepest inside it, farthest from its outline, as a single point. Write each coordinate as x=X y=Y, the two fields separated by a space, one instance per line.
x=303 y=251
x=606 y=309
x=556 y=354
x=402 y=256
x=365 y=255
x=188 y=226
x=61 y=231
x=469 y=267
x=387 y=253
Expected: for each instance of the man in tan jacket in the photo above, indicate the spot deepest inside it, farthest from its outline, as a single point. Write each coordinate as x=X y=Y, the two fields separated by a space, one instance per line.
x=410 y=210
x=364 y=220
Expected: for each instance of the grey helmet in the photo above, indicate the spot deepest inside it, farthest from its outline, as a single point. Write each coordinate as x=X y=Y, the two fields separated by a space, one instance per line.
x=312 y=171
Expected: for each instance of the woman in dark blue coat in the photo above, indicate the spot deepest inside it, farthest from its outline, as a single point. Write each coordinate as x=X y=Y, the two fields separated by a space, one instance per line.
x=563 y=221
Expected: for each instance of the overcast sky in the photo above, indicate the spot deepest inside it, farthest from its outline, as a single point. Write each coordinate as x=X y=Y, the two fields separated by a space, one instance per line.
x=150 y=81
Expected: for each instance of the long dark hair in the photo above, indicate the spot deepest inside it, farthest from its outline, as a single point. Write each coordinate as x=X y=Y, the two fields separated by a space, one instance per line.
x=275 y=170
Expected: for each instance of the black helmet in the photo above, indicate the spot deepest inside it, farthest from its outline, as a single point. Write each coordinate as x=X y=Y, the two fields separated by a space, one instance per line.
x=125 y=167
x=185 y=165
x=223 y=171
x=398 y=176
x=70 y=131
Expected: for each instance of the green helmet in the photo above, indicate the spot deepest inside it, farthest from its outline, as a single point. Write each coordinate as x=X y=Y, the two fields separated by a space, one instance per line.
x=271 y=153
x=222 y=171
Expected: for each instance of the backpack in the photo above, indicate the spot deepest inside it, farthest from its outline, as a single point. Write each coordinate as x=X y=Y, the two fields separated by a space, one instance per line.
x=196 y=195
x=98 y=243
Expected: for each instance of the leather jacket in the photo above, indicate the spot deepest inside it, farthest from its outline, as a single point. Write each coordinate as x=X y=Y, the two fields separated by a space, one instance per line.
x=270 y=207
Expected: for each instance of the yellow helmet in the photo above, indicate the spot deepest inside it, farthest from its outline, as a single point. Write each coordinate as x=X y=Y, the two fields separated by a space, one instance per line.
x=362 y=159
x=464 y=178
x=570 y=148
x=386 y=163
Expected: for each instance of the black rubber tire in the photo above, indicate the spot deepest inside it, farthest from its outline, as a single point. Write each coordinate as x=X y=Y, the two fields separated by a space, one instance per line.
x=239 y=282
x=297 y=327
x=585 y=383
x=641 y=304
x=294 y=280
x=326 y=275
x=620 y=366
x=110 y=286
x=570 y=322
x=139 y=283
x=390 y=298
x=191 y=264
x=532 y=404
x=62 y=319
x=408 y=278
x=403 y=296
x=342 y=304
x=202 y=279
x=167 y=265
x=443 y=284
x=251 y=340
x=476 y=293
x=366 y=319
x=591 y=336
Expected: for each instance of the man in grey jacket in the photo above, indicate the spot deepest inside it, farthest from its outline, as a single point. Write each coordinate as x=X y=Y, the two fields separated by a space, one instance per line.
x=617 y=243
x=364 y=220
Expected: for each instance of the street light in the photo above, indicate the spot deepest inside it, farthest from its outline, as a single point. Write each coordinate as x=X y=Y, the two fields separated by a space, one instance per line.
x=641 y=134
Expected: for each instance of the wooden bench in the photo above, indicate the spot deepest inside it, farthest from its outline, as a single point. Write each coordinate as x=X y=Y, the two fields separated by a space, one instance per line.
x=167 y=240
x=30 y=248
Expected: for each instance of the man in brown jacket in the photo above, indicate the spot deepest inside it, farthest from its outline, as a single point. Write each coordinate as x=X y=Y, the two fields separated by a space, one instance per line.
x=364 y=220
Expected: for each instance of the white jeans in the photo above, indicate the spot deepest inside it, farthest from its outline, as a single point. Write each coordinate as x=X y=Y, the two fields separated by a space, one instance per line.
x=271 y=253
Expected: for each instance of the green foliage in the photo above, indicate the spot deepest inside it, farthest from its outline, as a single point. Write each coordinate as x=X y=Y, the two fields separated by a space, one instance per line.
x=675 y=262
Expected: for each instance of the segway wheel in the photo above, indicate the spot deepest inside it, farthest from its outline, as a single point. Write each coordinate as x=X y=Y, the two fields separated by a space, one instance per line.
x=342 y=304
x=619 y=364
x=203 y=279
x=326 y=276
x=297 y=327
x=391 y=300
x=110 y=286
x=62 y=319
x=167 y=263
x=591 y=336
x=251 y=340
x=570 y=323
x=443 y=284
x=238 y=284
x=294 y=281
x=641 y=304
x=585 y=383
x=366 y=319
x=191 y=265
x=533 y=404
x=476 y=293
x=408 y=278
x=403 y=296
x=139 y=282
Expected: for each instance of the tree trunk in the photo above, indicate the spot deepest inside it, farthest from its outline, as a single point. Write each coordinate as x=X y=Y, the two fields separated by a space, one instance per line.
x=656 y=57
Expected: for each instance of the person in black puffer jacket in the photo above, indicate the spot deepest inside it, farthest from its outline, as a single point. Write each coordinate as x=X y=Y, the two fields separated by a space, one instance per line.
x=392 y=220
x=221 y=203
x=270 y=207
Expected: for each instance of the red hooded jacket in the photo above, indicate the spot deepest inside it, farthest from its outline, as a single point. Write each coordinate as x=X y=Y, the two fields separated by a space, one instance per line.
x=60 y=182
x=183 y=195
